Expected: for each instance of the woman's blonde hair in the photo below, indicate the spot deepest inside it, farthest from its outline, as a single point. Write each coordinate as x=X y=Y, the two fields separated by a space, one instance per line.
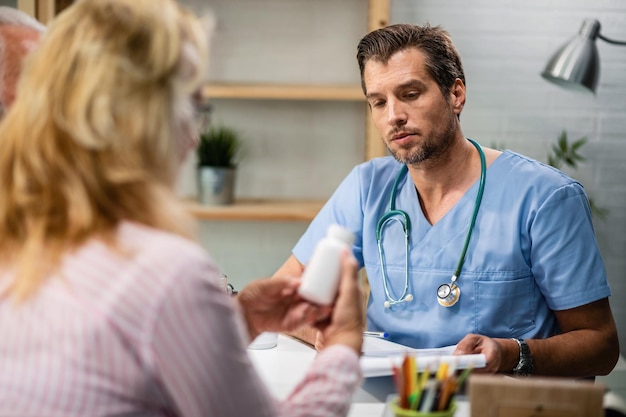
x=95 y=134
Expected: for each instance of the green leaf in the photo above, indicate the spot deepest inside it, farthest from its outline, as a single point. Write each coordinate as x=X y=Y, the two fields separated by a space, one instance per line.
x=565 y=153
x=219 y=146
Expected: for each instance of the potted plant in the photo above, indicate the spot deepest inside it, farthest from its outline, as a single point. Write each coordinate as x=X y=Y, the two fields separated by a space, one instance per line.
x=218 y=153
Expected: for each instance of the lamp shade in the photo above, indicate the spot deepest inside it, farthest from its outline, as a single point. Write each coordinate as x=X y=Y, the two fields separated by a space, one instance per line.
x=576 y=65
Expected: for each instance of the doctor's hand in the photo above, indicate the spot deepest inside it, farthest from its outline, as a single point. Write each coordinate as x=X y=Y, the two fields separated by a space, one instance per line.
x=475 y=344
x=273 y=304
x=347 y=320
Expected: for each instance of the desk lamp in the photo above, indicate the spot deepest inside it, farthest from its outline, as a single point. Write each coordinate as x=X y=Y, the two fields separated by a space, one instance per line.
x=576 y=65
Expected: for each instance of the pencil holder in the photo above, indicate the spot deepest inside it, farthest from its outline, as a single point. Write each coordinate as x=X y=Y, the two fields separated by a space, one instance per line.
x=403 y=412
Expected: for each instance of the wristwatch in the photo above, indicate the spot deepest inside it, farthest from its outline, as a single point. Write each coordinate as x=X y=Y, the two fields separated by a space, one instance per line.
x=525 y=365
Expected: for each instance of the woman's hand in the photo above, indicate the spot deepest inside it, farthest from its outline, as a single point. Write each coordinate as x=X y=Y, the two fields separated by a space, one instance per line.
x=273 y=304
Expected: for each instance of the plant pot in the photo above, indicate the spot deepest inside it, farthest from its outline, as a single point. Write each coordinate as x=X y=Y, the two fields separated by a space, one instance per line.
x=216 y=185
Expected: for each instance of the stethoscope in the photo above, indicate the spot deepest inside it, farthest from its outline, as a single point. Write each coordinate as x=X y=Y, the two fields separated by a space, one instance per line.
x=447 y=294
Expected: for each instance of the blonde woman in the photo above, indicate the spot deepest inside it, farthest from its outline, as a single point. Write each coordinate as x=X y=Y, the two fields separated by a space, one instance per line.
x=107 y=306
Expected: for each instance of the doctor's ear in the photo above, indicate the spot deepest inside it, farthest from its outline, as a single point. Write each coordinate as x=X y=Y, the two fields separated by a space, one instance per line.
x=457 y=95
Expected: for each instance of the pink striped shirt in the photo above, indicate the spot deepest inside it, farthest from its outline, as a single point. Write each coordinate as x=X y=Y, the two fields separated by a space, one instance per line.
x=146 y=332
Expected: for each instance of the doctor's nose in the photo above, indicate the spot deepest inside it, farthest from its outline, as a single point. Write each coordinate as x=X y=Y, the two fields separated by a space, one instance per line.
x=396 y=115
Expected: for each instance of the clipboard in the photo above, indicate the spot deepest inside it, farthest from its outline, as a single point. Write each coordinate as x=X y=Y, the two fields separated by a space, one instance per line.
x=380 y=355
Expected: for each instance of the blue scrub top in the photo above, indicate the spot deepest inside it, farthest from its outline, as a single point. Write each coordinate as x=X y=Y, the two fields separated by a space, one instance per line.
x=533 y=250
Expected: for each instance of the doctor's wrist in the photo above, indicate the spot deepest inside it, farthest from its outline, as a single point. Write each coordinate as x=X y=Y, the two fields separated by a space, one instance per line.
x=510 y=352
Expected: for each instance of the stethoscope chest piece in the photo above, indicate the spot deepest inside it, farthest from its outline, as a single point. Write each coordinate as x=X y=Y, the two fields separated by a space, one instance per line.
x=448 y=294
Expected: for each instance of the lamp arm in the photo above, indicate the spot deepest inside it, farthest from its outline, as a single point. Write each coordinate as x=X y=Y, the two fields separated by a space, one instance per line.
x=605 y=39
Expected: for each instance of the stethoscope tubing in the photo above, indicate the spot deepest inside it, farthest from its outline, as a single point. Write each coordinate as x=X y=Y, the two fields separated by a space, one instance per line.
x=392 y=215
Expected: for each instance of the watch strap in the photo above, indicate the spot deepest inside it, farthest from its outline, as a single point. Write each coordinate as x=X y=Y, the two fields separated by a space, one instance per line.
x=525 y=365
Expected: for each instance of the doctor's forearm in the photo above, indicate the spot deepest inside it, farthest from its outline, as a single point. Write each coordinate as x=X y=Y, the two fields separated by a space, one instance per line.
x=586 y=346
x=579 y=354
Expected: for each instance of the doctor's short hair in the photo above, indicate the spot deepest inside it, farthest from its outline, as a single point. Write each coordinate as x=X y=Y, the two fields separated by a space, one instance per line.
x=14 y=45
x=443 y=61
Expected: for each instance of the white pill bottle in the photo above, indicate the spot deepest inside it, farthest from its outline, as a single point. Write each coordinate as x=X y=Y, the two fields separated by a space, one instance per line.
x=320 y=279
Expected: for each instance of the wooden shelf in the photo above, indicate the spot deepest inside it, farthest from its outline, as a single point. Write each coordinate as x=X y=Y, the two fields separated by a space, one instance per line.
x=284 y=92
x=266 y=210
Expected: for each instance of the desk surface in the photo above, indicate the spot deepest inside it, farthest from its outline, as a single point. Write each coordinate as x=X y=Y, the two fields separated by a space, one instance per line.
x=284 y=366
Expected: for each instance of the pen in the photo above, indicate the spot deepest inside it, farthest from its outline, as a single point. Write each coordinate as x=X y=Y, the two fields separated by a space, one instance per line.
x=428 y=396
x=460 y=383
x=447 y=389
x=382 y=335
